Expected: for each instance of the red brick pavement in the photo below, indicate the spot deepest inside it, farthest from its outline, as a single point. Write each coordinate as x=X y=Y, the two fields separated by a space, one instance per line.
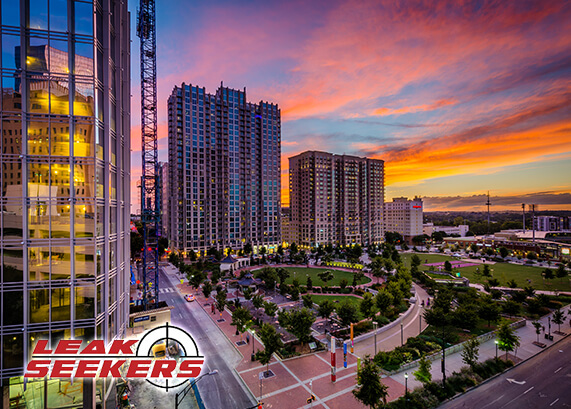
x=283 y=390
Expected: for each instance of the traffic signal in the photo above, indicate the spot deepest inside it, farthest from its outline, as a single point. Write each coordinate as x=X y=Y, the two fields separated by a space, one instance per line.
x=311 y=399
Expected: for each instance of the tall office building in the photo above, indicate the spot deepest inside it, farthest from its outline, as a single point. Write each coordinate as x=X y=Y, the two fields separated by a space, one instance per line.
x=65 y=163
x=335 y=199
x=224 y=170
x=405 y=217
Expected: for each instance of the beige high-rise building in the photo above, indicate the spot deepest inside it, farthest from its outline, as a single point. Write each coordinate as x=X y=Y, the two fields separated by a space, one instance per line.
x=404 y=216
x=335 y=199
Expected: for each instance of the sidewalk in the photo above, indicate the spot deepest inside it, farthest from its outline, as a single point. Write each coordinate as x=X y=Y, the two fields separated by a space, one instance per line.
x=488 y=350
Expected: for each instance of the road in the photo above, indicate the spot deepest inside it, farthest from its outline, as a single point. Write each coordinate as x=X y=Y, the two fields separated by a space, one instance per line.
x=225 y=389
x=543 y=381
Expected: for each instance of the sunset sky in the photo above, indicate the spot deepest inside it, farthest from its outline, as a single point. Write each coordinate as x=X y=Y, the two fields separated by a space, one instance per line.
x=457 y=97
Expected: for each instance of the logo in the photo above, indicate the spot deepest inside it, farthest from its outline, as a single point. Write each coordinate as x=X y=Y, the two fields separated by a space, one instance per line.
x=166 y=356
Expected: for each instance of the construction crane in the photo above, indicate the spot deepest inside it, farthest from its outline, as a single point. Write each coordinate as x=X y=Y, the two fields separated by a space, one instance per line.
x=150 y=187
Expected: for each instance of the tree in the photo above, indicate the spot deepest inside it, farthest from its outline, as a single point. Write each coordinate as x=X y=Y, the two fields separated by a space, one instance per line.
x=529 y=290
x=511 y=308
x=240 y=319
x=504 y=252
x=347 y=313
x=548 y=274
x=471 y=352
x=512 y=284
x=248 y=249
x=309 y=284
x=558 y=318
x=493 y=282
x=298 y=322
x=532 y=255
x=343 y=283
x=423 y=373
x=415 y=260
x=367 y=305
x=270 y=308
x=195 y=278
x=370 y=390
x=272 y=342
x=269 y=276
x=465 y=317
x=257 y=302
x=486 y=271
x=325 y=276
x=561 y=272
x=207 y=288
x=489 y=310
x=383 y=301
x=221 y=301
x=192 y=255
x=507 y=338
x=248 y=292
x=326 y=309
x=538 y=327
x=395 y=290
x=307 y=301
x=474 y=247
x=447 y=266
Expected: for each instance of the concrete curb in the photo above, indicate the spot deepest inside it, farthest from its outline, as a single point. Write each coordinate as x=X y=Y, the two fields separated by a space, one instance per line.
x=504 y=372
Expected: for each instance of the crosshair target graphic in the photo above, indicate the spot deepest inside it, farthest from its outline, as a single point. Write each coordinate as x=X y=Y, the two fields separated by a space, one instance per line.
x=164 y=341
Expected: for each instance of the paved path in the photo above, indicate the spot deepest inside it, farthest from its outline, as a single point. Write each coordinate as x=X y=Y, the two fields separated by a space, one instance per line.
x=541 y=382
x=388 y=340
x=488 y=350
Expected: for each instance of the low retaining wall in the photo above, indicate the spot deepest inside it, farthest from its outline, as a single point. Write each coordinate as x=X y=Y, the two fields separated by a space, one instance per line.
x=455 y=348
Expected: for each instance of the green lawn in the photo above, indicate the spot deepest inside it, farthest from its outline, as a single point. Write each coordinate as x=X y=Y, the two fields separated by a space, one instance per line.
x=504 y=272
x=301 y=273
x=337 y=299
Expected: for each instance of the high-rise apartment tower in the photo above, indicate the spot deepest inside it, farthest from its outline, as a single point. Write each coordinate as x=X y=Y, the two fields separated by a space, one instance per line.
x=224 y=170
x=65 y=163
x=335 y=199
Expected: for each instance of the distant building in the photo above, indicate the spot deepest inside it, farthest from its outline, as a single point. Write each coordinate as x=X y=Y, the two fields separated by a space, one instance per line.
x=335 y=199
x=287 y=233
x=164 y=186
x=551 y=223
x=224 y=170
x=461 y=230
x=404 y=216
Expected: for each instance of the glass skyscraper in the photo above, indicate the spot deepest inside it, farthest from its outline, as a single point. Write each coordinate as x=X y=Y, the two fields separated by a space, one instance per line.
x=224 y=170
x=65 y=178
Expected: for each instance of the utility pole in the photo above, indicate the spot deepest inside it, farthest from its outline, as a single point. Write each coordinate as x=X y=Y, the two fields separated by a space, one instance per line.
x=523 y=211
x=488 y=204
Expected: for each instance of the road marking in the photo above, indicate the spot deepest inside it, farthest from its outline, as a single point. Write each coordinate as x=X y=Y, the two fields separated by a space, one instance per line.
x=528 y=390
x=558 y=370
x=554 y=402
x=510 y=380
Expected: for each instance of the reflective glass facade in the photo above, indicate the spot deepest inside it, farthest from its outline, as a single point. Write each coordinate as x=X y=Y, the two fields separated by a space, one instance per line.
x=64 y=154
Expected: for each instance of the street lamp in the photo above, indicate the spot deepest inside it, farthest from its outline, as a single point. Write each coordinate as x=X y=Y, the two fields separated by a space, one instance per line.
x=401 y=334
x=420 y=320
x=375 y=329
x=253 y=342
x=405 y=385
x=187 y=388
x=496 y=342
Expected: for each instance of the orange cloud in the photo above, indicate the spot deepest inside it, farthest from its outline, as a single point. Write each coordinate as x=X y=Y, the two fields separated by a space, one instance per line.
x=418 y=108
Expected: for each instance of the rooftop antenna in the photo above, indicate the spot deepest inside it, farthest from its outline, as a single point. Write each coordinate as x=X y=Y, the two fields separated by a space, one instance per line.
x=488 y=204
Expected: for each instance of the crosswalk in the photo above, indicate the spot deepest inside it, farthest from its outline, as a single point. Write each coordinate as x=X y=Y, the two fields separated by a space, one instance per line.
x=166 y=290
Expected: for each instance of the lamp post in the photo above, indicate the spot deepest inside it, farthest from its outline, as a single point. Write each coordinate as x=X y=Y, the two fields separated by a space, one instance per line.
x=420 y=321
x=253 y=342
x=549 y=324
x=187 y=388
x=375 y=329
x=401 y=334
x=405 y=385
x=496 y=342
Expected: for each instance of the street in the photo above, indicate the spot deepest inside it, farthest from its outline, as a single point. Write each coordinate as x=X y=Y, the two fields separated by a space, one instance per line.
x=225 y=389
x=543 y=381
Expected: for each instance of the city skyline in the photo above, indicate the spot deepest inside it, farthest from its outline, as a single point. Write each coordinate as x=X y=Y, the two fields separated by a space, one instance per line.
x=457 y=100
